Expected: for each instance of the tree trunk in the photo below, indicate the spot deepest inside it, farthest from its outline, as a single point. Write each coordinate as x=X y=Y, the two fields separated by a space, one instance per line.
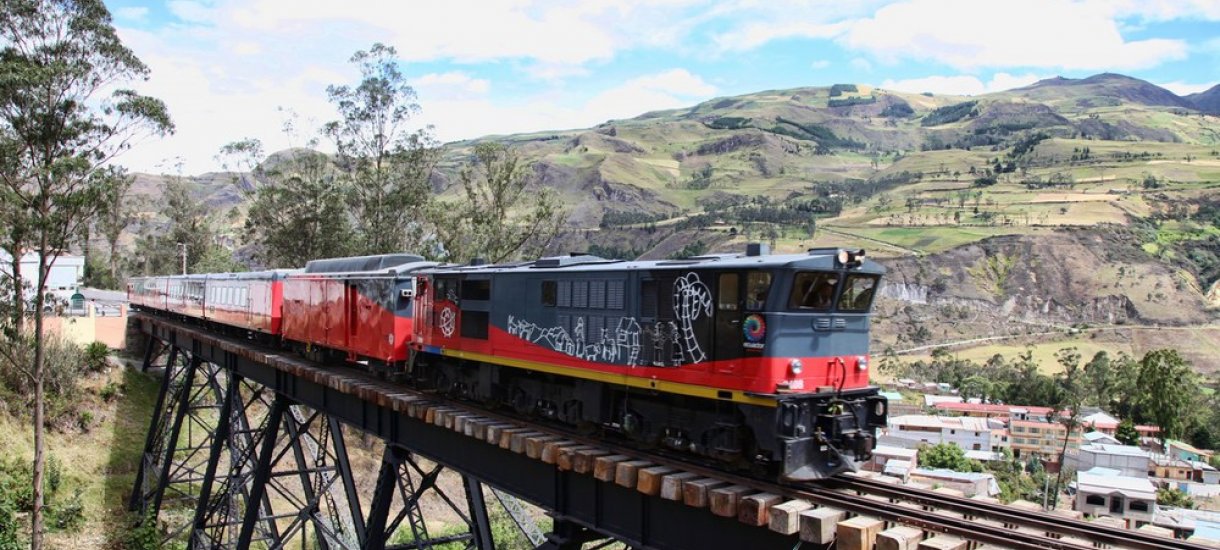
x=36 y=529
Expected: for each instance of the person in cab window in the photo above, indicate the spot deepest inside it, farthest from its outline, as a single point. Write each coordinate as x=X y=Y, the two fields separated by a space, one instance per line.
x=824 y=294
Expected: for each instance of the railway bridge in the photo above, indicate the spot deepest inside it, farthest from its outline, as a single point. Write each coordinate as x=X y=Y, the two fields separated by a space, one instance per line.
x=248 y=447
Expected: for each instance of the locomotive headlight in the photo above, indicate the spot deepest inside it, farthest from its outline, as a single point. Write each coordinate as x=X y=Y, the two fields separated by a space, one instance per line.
x=862 y=362
x=796 y=366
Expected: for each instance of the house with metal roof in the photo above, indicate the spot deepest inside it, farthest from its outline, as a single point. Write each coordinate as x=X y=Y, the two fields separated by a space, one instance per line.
x=1131 y=499
x=1128 y=460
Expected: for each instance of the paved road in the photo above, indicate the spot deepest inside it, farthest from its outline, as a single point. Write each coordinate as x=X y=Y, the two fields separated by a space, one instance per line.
x=104 y=296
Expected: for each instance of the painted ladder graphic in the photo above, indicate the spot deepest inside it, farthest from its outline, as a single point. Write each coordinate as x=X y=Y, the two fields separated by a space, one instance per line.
x=692 y=300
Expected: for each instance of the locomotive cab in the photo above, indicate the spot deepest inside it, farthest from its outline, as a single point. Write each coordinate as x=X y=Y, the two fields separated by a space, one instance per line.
x=817 y=349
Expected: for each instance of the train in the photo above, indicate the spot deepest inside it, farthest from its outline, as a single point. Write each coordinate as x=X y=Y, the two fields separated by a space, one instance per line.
x=752 y=361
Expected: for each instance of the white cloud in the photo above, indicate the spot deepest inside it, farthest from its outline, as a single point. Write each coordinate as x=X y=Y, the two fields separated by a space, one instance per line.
x=131 y=13
x=753 y=35
x=960 y=84
x=1186 y=88
x=450 y=82
x=819 y=64
x=466 y=118
x=967 y=34
x=861 y=64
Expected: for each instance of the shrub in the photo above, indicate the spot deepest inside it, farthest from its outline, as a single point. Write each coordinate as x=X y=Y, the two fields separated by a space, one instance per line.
x=68 y=515
x=85 y=420
x=109 y=392
x=95 y=356
x=950 y=113
x=142 y=535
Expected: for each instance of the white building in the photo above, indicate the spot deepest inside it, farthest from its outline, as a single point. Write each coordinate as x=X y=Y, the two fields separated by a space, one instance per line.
x=1126 y=459
x=65 y=277
x=971 y=434
x=969 y=483
x=1132 y=499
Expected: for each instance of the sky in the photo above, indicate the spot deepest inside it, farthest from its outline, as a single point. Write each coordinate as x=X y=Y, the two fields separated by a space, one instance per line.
x=236 y=69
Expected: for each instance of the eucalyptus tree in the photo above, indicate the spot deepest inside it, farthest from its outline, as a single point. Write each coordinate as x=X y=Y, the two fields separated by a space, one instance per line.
x=298 y=204
x=64 y=115
x=499 y=215
x=388 y=163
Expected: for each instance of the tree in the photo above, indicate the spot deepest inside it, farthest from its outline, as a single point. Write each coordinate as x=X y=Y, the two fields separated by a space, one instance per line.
x=1099 y=377
x=1168 y=387
x=947 y=456
x=187 y=224
x=297 y=205
x=1126 y=433
x=495 y=220
x=63 y=114
x=1174 y=498
x=389 y=166
x=118 y=212
x=1125 y=399
x=1070 y=398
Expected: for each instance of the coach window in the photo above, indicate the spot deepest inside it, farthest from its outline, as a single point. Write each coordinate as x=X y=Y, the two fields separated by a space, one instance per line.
x=758 y=285
x=550 y=293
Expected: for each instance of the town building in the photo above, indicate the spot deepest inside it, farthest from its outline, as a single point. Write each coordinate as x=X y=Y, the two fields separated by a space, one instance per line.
x=971 y=434
x=969 y=483
x=992 y=410
x=1041 y=440
x=66 y=275
x=1099 y=438
x=1100 y=422
x=884 y=455
x=1185 y=451
x=1127 y=460
x=1167 y=467
x=1132 y=499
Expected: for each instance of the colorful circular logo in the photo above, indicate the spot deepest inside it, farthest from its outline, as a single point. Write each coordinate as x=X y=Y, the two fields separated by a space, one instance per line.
x=754 y=328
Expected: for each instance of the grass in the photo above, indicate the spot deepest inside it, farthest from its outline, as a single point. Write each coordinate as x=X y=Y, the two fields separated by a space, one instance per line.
x=933 y=239
x=100 y=463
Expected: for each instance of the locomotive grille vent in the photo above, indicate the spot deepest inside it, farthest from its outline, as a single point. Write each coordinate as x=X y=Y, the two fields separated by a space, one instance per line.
x=826 y=323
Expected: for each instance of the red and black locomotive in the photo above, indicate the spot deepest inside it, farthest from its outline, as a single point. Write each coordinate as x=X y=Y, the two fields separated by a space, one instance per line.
x=758 y=361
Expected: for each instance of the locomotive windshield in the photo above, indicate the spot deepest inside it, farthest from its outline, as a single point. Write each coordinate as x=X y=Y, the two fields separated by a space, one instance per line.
x=814 y=290
x=857 y=293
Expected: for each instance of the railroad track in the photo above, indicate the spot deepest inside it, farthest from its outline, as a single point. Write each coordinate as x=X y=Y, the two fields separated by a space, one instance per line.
x=814 y=512
x=930 y=512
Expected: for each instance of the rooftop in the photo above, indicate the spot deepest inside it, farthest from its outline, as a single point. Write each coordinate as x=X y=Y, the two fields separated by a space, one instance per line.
x=892 y=452
x=1116 y=450
x=992 y=408
x=1132 y=487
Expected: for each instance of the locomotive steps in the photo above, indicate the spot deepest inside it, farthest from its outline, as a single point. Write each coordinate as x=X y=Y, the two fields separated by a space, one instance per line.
x=850 y=512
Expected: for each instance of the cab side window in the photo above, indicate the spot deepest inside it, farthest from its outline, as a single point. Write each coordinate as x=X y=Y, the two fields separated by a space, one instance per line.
x=813 y=290
x=758 y=286
x=858 y=293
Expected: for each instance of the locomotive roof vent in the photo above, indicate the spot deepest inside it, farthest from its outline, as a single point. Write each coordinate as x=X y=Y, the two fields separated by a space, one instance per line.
x=757 y=249
x=823 y=251
x=568 y=261
x=477 y=261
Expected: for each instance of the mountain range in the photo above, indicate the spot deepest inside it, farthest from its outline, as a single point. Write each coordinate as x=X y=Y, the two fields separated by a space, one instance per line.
x=977 y=199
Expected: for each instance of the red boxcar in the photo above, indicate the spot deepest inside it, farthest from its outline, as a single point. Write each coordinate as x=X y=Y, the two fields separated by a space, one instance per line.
x=361 y=305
